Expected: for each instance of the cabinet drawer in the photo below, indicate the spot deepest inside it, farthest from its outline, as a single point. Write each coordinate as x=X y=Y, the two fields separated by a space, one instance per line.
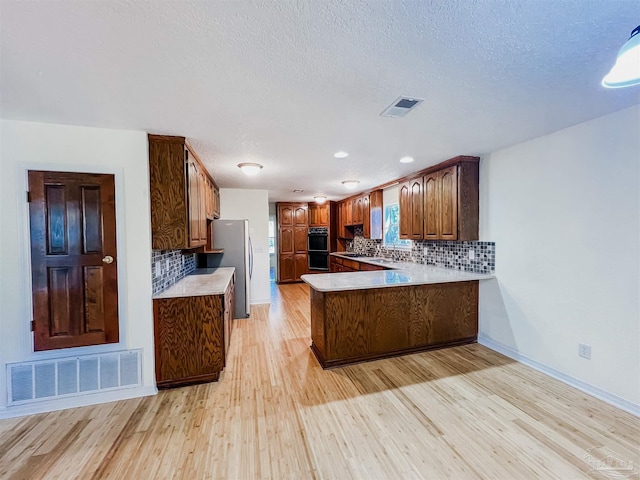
x=351 y=264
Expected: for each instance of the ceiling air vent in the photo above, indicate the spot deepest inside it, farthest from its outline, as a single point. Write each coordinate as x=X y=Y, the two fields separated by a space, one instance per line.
x=401 y=106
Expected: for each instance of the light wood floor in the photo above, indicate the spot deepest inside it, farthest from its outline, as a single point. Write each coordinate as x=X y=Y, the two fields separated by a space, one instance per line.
x=463 y=413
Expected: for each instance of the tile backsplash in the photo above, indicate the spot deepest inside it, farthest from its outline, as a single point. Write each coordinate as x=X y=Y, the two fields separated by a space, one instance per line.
x=169 y=266
x=441 y=253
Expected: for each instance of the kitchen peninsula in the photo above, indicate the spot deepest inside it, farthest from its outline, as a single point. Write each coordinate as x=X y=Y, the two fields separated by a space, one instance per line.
x=408 y=308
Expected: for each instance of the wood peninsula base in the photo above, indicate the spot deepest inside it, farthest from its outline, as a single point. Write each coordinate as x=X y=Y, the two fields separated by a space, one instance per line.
x=353 y=326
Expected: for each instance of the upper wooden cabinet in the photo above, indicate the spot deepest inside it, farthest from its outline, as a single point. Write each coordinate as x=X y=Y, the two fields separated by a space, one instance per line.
x=366 y=220
x=285 y=215
x=451 y=203
x=182 y=195
x=319 y=215
x=411 y=209
x=375 y=215
x=300 y=215
x=358 y=211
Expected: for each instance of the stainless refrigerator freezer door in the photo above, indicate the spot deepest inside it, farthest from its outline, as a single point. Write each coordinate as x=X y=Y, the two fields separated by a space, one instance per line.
x=232 y=236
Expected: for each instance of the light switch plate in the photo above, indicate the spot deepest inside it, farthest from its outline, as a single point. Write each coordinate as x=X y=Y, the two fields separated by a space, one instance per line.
x=472 y=254
x=425 y=250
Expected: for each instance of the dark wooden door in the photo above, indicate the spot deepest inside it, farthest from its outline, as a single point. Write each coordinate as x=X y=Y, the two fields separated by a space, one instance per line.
x=448 y=181
x=73 y=259
x=431 y=202
x=405 y=210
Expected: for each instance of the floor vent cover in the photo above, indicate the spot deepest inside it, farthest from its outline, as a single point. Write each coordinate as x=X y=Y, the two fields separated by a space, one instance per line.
x=72 y=376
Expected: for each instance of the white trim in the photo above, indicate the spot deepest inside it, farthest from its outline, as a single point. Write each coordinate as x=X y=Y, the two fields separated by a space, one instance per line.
x=261 y=301
x=24 y=254
x=75 y=402
x=600 y=394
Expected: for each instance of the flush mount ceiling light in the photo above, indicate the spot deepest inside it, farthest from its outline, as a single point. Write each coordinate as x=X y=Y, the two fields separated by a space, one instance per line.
x=341 y=154
x=351 y=183
x=626 y=71
x=250 y=168
x=406 y=160
x=320 y=199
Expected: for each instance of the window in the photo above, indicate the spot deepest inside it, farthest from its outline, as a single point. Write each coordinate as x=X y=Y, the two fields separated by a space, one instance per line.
x=392 y=227
x=272 y=236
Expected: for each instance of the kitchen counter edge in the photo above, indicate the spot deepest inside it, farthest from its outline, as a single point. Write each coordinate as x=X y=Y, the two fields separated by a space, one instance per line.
x=201 y=282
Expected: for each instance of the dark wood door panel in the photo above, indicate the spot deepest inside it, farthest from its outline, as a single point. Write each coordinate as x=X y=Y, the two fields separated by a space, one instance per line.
x=431 y=206
x=448 y=204
x=285 y=216
x=300 y=216
x=286 y=240
x=73 y=228
x=300 y=239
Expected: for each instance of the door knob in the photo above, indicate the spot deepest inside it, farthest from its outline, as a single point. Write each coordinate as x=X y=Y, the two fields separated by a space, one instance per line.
x=108 y=259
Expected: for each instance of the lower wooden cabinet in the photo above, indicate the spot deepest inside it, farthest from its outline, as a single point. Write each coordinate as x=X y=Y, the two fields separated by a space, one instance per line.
x=339 y=264
x=192 y=337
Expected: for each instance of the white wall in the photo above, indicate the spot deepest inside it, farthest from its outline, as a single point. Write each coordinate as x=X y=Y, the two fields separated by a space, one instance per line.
x=238 y=204
x=26 y=145
x=564 y=212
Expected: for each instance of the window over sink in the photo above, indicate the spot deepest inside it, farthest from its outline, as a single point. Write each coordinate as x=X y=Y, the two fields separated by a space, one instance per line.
x=391 y=235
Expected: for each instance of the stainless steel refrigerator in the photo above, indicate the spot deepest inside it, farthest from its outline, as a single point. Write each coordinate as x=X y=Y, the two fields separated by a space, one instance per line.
x=233 y=237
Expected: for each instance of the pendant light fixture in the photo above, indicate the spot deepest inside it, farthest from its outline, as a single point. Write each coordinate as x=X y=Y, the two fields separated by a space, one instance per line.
x=626 y=71
x=250 y=168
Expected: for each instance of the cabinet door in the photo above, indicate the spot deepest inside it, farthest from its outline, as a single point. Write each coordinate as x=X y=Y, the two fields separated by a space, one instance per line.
x=286 y=269
x=285 y=215
x=405 y=210
x=448 y=180
x=313 y=215
x=300 y=239
x=366 y=217
x=195 y=236
x=202 y=216
x=325 y=214
x=300 y=265
x=417 y=212
x=431 y=201
x=357 y=211
x=216 y=203
x=375 y=216
x=348 y=210
x=300 y=216
x=286 y=240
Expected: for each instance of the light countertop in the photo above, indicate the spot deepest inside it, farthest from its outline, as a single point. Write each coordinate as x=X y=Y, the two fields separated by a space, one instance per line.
x=202 y=281
x=401 y=273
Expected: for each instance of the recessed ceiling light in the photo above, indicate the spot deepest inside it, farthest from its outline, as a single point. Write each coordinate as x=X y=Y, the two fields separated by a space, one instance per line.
x=351 y=183
x=406 y=160
x=250 y=168
x=298 y=190
x=320 y=199
x=341 y=154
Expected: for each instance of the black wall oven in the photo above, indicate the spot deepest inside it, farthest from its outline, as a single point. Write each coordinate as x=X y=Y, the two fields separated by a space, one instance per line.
x=318 y=248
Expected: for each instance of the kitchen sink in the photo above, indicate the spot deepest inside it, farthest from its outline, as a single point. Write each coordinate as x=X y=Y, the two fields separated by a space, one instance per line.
x=381 y=260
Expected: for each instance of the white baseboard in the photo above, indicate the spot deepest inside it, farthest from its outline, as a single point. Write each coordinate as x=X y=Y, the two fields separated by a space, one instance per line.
x=610 y=398
x=260 y=301
x=74 y=402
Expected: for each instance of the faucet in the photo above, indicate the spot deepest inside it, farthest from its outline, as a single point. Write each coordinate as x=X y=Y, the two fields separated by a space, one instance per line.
x=394 y=256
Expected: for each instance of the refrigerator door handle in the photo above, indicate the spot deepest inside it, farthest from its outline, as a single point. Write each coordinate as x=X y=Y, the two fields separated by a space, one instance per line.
x=250 y=258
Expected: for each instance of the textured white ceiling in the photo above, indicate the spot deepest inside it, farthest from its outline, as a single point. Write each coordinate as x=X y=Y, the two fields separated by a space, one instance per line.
x=287 y=84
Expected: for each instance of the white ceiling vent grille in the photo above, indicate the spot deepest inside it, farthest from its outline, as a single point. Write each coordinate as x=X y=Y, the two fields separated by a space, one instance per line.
x=72 y=376
x=401 y=106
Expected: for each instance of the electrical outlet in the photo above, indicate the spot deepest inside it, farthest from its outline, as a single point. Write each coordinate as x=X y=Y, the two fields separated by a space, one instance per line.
x=425 y=250
x=472 y=254
x=157 y=269
x=584 y=351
